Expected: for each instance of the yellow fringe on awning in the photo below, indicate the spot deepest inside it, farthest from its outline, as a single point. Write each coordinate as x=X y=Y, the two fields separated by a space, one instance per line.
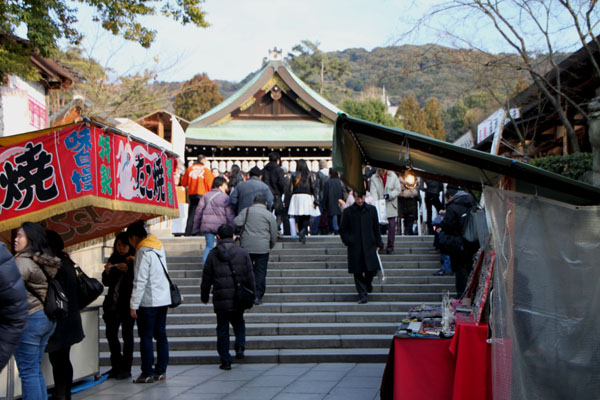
x=87 y=201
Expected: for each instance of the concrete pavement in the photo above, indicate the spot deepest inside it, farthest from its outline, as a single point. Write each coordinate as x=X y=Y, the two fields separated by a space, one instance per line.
x=344 y=381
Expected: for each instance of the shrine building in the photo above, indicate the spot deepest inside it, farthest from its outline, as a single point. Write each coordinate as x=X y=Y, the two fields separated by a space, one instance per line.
x=274 y=111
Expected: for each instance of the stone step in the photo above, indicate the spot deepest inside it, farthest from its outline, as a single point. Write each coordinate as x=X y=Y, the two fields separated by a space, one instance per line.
x=277 y=280
x=342 y=288
x=188 y=311
x=276 y=356
x=274 y=329
x=274 y=265
x=275 y=342
x=315 y=257
x=292 y=318
x=349 y=296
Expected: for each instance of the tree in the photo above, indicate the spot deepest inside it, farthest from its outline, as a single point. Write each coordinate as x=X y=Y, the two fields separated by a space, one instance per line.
x=536 y=31
x=47 y=22
x=130 y=96
x=433 y=118
x=370 y=109
x=412 y=116
x=323 y=73
x=197 y=96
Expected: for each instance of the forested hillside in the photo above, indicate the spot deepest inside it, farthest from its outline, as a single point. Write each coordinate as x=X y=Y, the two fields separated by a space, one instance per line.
x=468 y=85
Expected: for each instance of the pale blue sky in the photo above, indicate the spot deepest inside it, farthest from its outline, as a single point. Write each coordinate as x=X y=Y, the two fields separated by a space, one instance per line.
x=241 y=33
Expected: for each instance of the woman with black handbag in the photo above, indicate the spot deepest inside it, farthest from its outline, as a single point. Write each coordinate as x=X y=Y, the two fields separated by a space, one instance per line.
x=118 y=276
x=69 y=329
x=29 y=243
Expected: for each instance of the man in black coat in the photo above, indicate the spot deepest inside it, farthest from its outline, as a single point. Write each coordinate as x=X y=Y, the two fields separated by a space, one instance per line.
x=461 y=257
x=224 y=260
x=273 y=176
x=360 y=233
x=13 y=306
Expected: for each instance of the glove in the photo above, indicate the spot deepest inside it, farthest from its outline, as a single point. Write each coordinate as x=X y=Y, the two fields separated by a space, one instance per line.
x=386 y=196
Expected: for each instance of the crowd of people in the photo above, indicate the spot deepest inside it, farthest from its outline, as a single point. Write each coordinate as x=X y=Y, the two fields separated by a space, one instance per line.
x=241 y=224
x=42 y=299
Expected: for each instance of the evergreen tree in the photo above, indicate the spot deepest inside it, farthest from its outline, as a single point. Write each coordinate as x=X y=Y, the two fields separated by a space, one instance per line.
x=372 y=110
x=433 y=117
x=197 y=96
x=413 y=117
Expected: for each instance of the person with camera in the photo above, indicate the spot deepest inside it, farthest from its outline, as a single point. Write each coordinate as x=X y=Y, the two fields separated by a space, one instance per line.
x=118 y=276
x=222 y=263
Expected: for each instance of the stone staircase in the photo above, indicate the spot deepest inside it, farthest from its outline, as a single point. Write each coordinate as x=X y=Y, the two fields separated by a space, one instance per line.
x=310 y=311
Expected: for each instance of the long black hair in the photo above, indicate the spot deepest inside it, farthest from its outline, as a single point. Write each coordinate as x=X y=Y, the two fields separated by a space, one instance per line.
x=56 y=244
x=122 y=237
x=137 y=229
x=302 y=169
x=37 y=241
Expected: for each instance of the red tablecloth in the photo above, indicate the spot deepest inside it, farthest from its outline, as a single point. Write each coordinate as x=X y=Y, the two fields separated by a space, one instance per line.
x=432 y=369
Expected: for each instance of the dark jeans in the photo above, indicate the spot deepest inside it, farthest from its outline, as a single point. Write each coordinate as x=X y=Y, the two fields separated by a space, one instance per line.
x=391 y=233
x=332 y=223
x=432 y=200
x=364 y=283
x=259 y=263
x=119 y=361
x=462 y=263
x=194 y=200
x=236 y=319
x=62 y=371
x=152 y=323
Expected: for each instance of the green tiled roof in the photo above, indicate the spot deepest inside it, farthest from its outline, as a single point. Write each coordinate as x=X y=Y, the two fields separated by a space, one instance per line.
x=262 y=131
x=231 y=98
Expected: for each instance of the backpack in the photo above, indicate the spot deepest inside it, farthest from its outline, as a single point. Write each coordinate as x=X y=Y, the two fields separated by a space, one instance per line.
x=56 y=304
x=472 y=223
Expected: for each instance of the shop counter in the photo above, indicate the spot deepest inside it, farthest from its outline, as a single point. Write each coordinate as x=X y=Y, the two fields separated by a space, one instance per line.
x=440 y=369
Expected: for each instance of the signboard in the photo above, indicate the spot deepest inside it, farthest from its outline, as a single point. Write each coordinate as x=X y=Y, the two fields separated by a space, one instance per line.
x=84 y=181
x=465 y=140
x=492 y=125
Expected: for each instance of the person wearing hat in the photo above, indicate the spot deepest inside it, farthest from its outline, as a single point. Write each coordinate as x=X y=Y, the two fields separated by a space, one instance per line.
x=245 y=192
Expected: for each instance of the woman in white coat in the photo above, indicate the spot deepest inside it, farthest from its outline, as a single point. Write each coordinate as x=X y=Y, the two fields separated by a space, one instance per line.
x=150 y=299
x=385 y=185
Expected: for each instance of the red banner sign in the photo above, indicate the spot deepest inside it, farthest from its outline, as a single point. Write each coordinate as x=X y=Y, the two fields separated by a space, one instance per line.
x=81 y=167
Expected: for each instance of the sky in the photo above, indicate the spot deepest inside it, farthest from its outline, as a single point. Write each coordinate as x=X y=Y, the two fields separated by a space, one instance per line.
x=242 y=32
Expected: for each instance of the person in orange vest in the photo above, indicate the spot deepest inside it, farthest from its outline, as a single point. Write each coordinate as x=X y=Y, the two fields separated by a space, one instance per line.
x=198 y=179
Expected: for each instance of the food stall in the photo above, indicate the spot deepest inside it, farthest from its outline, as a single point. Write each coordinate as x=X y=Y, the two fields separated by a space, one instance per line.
x=84 y=180
x=539 y=258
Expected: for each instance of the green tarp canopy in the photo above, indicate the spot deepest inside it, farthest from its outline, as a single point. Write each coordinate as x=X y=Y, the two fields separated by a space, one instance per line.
x=357 y=142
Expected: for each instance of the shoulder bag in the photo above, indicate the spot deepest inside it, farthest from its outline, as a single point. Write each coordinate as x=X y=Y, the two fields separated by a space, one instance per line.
x=238 y=238
x=244 y=296
x=176 y=297
x=88 y=289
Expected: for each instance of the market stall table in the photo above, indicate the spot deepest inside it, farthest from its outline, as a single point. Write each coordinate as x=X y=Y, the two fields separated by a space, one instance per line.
x=431 y=369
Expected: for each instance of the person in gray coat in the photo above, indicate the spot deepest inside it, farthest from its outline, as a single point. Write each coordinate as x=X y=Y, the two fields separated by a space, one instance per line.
x=258 y=235
x=245 y=192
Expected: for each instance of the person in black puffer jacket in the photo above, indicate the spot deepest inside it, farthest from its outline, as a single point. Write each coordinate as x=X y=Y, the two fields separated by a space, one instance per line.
x=457 y=206
x=69 y=330
x=217 y=273
x=13 y=306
